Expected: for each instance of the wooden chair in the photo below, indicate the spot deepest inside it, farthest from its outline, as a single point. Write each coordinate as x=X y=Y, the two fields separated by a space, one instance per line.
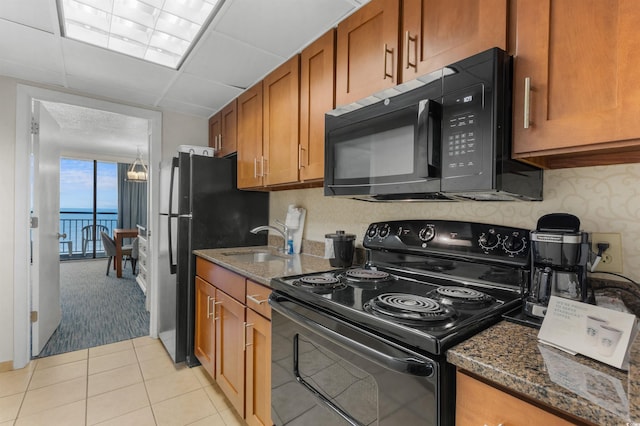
x=110 y=248
x=87 y=235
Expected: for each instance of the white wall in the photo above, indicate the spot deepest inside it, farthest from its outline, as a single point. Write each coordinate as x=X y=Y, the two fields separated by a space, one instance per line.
x=177 y=129
x=7 y=154
x=606 y=199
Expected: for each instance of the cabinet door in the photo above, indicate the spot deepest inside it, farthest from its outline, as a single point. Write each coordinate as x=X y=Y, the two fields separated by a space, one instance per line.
x=250 y=159
x=281 y=97
x=230 y=335
x=317 y=94
x=581 y=59
x=214 y=130
x=436 y=33
x=478 y=403
x=258 y=370
x=367 y=51
x=228 y=140
x=205 y=338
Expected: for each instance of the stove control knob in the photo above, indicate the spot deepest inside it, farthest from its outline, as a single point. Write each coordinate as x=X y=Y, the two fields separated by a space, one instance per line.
x=384 y=231
x=514 y=244
x=489 y=240
x=372 y=231
x=426 y=234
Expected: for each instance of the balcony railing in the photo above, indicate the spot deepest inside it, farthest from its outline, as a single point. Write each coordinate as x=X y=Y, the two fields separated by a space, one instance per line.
x=72 y=224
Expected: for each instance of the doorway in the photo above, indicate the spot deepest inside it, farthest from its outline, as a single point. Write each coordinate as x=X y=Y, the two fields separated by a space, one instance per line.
x=24 y=268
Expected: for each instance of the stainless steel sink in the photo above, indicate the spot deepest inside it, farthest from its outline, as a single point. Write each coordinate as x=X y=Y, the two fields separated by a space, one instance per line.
x=255 y=256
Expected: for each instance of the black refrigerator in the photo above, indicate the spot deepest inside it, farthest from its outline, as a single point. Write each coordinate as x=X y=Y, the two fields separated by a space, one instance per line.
x=200 y=208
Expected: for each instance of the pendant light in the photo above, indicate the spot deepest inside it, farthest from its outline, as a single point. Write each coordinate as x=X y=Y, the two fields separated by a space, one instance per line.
x=138 y=172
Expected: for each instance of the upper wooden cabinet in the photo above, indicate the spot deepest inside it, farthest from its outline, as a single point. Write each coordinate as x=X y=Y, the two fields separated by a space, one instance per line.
x=367 y=51
x=436 y=33
x=281 y=103
x=317 y=89
x=250 y=159
x=576 y=89
x=223 y=130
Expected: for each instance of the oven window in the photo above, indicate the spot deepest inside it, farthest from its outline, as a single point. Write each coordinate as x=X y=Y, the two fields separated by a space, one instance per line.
x=350 y=388
x=387 y=153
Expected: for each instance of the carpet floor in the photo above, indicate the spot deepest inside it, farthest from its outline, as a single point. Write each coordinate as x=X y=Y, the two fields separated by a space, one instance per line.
x=97 y=309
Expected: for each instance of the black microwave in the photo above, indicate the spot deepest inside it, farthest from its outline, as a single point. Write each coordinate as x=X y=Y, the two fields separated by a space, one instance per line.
x=444 y=136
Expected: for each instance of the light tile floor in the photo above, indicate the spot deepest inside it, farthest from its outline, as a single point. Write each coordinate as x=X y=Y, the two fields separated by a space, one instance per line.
x=133 y=382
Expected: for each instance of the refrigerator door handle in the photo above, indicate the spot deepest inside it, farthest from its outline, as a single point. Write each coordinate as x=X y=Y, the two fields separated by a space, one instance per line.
x=173 y=266
x=188 y=216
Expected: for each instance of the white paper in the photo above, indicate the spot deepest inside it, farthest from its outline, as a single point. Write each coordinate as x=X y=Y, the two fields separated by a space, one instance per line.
x=599 y=333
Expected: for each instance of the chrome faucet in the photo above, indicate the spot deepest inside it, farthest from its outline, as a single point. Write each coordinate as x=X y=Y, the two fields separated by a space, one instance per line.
x=284 y=233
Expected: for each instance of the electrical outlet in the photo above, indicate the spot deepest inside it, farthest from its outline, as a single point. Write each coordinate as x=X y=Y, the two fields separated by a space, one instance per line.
x=612 y=257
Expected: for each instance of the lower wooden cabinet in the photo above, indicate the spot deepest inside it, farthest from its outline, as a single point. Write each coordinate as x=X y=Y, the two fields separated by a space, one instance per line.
x=205 y=329
x=258 y=370
x=233 y=338
x=229 y=346
x=478 y=403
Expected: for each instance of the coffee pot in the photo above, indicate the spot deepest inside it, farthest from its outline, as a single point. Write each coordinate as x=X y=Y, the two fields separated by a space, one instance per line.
x=560 y=254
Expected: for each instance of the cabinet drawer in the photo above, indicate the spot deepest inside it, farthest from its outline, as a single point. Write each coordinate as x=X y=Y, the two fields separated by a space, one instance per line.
x=257 y=296
x=227 y=281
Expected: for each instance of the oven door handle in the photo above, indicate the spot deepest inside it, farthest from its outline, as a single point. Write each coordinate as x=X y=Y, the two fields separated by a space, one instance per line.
x=407 y=364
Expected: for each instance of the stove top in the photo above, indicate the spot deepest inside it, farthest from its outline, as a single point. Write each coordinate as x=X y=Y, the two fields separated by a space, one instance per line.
x=418 y=289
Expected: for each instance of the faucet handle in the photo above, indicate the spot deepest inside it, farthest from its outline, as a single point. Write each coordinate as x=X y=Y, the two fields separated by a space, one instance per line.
x=285 y=227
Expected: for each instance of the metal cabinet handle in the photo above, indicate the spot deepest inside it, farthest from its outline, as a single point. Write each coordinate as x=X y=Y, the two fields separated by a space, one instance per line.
x=246 y=326
x=527 y=102
x=385 y=52
x=209 y=299
x=220 y=142
x=407 y=41
x=263 y=169
x=301 y=164
x=254 y=299
x=255 y=168
x=215 y=318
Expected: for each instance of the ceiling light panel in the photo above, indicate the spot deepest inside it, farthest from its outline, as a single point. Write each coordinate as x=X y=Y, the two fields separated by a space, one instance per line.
x=160 y=31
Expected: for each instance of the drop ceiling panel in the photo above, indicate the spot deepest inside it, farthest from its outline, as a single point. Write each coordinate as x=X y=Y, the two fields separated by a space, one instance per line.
x=32 y=13
x=114 y=69
x=187 y=109
x=281 y=27
x=229 y=61
x=197 y=91
x=22 y=72
x=114 y=92
x=29 y=47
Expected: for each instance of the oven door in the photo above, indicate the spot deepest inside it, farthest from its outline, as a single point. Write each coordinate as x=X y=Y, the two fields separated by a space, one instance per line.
x=326 y=371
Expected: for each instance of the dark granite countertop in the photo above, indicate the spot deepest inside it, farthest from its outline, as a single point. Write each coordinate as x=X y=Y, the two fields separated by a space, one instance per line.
x=262 y=272
x=510 y=355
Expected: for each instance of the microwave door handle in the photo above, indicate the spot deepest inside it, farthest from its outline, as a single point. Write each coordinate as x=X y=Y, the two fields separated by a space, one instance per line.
x=429 y=128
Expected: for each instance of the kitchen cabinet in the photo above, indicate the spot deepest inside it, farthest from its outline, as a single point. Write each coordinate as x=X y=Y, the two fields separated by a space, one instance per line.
x=205 y=328
x=230 y=332
x=317 y=96
x=480 y=403
x=223 y=130
x=575 y=85
x=281 y=104
x=367 y=51
x=233 y=338
x=436 y=33
x=250 y=159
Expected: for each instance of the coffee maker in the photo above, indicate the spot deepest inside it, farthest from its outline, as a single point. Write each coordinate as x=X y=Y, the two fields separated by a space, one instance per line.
x=559 y=257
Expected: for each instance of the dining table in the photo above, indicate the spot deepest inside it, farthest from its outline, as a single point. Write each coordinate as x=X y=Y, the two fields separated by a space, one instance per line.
x=119 y=234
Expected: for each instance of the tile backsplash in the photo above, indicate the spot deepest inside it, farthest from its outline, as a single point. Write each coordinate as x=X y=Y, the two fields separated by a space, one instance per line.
x=606 y=199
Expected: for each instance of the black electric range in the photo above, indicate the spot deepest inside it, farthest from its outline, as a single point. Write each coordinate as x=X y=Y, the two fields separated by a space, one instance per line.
x=426 y=284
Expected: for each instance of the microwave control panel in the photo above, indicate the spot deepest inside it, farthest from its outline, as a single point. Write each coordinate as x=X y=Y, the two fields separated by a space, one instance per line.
x=461 y=135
